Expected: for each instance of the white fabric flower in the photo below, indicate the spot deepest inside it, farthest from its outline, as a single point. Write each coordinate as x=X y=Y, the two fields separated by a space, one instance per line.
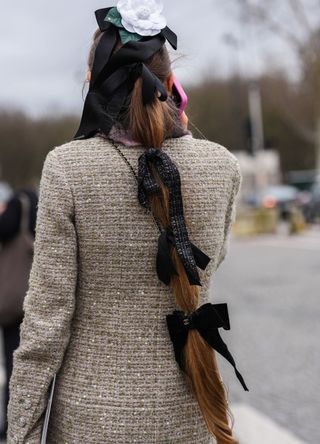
x=144 y=17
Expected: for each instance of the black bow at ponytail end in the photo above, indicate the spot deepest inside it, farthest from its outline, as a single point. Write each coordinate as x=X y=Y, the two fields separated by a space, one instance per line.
x=207 y=319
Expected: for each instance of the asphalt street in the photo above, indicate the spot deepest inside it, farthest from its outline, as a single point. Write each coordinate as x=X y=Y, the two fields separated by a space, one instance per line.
x=271 y=285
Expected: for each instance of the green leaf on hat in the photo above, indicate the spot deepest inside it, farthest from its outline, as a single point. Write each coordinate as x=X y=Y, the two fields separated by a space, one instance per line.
x=114 y=17
x=127 y=36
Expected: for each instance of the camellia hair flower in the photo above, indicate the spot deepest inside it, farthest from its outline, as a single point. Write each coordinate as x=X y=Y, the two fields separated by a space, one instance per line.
x=143 y=17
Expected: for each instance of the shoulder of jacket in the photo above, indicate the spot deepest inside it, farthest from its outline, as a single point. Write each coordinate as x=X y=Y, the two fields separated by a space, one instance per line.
x=70 y=147
x=74 y=152
x=219 y=152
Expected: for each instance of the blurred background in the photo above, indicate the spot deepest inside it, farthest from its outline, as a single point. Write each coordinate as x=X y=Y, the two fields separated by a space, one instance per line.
x=252 y=72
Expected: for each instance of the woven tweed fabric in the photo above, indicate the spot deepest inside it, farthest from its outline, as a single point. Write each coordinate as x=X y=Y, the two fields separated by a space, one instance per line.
x=95 y=310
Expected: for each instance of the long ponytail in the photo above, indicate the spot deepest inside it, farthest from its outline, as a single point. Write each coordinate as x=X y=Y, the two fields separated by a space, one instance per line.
x=151 y=125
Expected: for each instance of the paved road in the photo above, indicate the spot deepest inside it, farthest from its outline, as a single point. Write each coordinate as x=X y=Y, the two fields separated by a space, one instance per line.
x=272 y=289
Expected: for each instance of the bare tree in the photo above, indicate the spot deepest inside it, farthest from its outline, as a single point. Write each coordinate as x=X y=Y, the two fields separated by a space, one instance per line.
x=297 y=22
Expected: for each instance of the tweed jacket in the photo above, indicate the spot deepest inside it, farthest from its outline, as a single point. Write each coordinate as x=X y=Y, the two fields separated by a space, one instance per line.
x=95 y=311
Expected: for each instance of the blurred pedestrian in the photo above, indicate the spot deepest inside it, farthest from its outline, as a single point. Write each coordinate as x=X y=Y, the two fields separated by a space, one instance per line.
x=15 y=262
x=114 y=317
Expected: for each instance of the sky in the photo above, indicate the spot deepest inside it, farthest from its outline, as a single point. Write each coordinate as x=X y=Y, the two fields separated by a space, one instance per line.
x=44 y=47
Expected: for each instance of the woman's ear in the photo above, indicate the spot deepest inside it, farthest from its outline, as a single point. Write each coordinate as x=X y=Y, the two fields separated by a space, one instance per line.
x=169 y=83
x=89 y=76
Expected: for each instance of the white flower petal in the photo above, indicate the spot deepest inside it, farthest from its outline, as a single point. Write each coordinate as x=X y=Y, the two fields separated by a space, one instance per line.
x=159 y=21
x=123 y=8
x=128 y=26
x=122 y=4
x=129 y=16
x=147 y=33
x=137 y=4
x=144 y=24
x=142 y=16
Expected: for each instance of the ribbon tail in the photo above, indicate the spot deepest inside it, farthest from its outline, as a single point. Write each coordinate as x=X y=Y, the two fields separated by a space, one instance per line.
x=150 y=84
x=99 y=116
x=240 y=378
x=164 y=265
x=200 y=257
x=193 y=278
x=147 y=185
x=178 y=337
x=101 y=15
x=213 y=338
x=171 y=37
x=103 y=53
x=222 y=310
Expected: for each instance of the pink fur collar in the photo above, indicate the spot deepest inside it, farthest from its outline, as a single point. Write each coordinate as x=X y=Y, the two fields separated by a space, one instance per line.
x=120 y=135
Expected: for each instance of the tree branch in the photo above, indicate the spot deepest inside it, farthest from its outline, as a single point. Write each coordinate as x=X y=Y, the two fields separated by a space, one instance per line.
x=264 y=17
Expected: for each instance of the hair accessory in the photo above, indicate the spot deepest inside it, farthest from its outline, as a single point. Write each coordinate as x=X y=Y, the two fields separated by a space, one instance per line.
x=107 y=17
x=142 y=16
x=126 y=36
x=207 y=319
x=164 y=264
x=114 y=74
x=189 y=254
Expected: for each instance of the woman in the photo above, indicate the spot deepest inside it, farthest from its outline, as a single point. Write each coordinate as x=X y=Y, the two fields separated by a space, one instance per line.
x=10 y=221
x=112 y=307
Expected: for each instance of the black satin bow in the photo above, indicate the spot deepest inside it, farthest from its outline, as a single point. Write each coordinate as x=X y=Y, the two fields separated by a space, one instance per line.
x=103 y=104
x=150 y=85
x=207 y=319
x=189 y=254
x=114 y=75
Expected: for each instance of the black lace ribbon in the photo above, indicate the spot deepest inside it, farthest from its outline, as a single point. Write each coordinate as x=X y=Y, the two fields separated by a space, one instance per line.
x=177 y=234
x=207 y=319
x=164 y=264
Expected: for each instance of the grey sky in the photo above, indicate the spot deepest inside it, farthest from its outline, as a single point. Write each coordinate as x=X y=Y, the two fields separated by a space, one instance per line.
x=43 y=49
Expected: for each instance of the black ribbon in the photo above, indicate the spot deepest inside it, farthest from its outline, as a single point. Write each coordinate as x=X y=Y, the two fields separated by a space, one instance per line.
x=207 y=319
x=103 y=104
x=164 y=265
x=177 y=235
x=114 y=75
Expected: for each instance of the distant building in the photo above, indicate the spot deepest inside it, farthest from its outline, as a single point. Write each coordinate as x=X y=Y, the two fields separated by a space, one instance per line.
x=258 y=171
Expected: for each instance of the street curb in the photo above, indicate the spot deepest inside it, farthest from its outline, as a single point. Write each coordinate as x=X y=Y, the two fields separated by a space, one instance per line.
x=252 y=427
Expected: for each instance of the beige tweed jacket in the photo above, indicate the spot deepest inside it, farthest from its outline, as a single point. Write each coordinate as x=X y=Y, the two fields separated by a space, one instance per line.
x=95 y=311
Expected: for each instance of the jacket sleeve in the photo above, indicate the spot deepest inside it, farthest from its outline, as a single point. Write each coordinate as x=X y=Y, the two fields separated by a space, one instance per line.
x=231 y=211
x=48 y=306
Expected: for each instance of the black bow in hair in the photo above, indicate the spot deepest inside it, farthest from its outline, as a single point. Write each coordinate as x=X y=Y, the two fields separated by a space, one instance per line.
x=207 y=319
x=164 y=265
x=114 y=75
x=177 y=235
